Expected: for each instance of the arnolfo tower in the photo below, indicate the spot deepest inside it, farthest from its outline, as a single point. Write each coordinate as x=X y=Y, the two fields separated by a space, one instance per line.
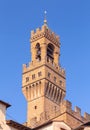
x=43 y=82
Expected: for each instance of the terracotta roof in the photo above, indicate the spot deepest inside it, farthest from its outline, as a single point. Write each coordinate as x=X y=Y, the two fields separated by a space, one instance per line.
x=17 y=125
x=6 y=104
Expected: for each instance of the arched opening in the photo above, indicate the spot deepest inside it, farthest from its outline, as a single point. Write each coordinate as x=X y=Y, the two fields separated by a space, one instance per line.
x=50 y=51
x=38 y=52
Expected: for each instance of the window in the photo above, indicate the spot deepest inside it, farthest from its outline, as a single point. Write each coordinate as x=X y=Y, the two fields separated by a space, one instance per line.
x=61 y=83
x=50 y=51
x=35 y=107
x=39 y=73
x=49 y=74
x=33 y=76
x=27 y=79
x=38 y=51
x=55 y=79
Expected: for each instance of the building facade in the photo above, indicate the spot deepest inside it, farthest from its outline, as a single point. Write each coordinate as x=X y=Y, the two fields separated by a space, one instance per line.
x=8 y=124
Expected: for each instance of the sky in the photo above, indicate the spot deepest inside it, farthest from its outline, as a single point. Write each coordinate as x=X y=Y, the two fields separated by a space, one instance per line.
x=70 y=19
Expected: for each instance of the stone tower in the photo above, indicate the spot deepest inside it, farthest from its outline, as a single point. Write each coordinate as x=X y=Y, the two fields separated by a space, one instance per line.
x=43 y=80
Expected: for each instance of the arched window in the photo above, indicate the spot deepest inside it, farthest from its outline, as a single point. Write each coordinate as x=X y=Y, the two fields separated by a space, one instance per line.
x=38 y=52
x=50 y=51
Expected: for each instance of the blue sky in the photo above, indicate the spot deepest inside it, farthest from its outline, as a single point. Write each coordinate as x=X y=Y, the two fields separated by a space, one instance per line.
x=68 y=18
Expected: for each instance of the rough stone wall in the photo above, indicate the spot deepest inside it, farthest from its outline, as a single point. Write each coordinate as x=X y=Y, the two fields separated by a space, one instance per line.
x=71 y=117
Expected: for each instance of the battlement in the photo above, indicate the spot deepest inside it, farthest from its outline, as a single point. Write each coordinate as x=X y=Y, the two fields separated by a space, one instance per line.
x=33 y=64
x=65 y=108
x=44 y=32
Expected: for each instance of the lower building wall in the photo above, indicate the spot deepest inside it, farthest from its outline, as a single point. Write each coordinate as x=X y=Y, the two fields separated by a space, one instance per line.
x=87 y=128
x=69 y=120
x=55 y=126
x=72 y=121
x=6 y=127
x=46 y=127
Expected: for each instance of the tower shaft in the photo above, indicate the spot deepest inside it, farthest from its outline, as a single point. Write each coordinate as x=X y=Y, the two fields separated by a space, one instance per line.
x=43 y=80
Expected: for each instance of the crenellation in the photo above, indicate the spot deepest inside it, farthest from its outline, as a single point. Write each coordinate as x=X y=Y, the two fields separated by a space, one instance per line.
x=52 y=34
x=26 y=67
x=67 y=104
x=49 y=31
x=38 y=30
x=87 y=116
x=31 y=65
x=44 y=32
x=77 y=110
x=44 y=28
x=56 y=67
x=32 y=33
x=58 y=38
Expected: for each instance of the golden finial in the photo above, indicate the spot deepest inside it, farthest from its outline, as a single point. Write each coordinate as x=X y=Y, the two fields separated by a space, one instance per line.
x=45 y=20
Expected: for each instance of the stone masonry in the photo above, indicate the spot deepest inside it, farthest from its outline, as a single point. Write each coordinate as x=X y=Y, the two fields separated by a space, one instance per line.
x=44 y=83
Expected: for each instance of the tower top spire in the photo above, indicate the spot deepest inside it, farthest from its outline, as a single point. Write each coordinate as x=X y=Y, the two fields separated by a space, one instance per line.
x=45 y=18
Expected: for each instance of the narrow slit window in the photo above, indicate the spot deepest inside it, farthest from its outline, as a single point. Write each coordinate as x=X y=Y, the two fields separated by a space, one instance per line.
x=54 y=79
x=39 y=74
x=33 y=76
x=49 y=74
x=27 y=79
